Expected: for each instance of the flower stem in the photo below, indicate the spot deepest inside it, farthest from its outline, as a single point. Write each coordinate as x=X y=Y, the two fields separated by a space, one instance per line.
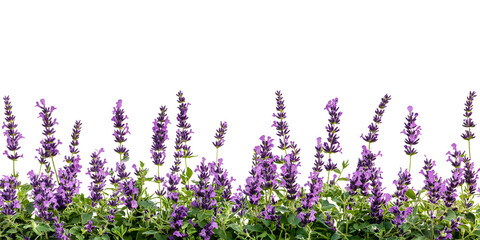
x=410 y=164
x=55 y=169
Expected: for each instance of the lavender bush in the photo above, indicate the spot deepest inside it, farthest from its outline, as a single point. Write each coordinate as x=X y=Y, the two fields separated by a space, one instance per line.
x=271 y=204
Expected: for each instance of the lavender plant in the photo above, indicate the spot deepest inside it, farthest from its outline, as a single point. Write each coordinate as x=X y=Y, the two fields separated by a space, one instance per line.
x=271 y=204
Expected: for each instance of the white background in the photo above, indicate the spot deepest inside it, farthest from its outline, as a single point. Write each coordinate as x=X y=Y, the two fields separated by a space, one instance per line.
x=229 y=58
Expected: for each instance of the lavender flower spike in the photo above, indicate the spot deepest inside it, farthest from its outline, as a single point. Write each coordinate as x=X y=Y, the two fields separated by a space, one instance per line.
x=204 y=192
x=289 y=178
x=121 y=129
x=372 y=135
x=468 y=122
x=49 y=143
x=12 y=134
x=158 y=150
x=332 y=145
x=412 y=130
x=179 y=213
x=8 y=195
x=98 y=174
x=281 y=125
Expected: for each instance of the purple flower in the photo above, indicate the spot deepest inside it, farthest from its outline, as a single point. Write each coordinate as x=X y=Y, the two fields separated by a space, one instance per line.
x=160 y=135
x=400 y=216
x=433 y=184
x=89 y=227
x=330 y=165
x=332 y=145
x=220 y=135
x=453 y=182
x=74 y=143
x=281 y=125
x=221 y=180
x=289 y=178
x=12 y=134
x=8 y=195
x=253 y=189
x=412 y=130
x=330 y=222
x=378 y=198
x=204 y=193
x=470 y=178
x=171 y=185
x=318 y=156
x=178 y=215
x=404 y=180
x=98 y=173
x=372 y=135
x=268 y=213
x=130 y=193
x=239 y=199
x=43 y=195
x=306 y=218
x=49 y=143
x=468 y=122
x=207 y=230
x=59 y=231
x=121 y=129
x=446 y=233
x=266 y=167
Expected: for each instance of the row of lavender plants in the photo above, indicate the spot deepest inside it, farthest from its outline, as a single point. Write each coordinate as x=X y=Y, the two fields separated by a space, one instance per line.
x=271 y=204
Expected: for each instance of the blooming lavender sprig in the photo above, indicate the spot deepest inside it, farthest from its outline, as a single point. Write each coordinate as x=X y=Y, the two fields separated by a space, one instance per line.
x=204 y=193
x=49 y=143
x=129 y=192
x=12 y=134
x=240 y=202
x=281 y=125
x=330 y=222
x=8 y=195
x=433 y=183
x=268 y=213
x=468 y=122
x=372 y=135
x=470 y=178
x=121 y=130
x=289 y=178
x=69 y=183
x=378 y=198
x=404 y=180
x=98 y=173
x=446 y=233
x=43 y=195
x=158 y=150
x=412 y=130
x=207 y=231
x=220 y=136
x=221 y=180
x=178 y=215
x=253 y=189
x=89 y=227
x=59 y=230
x=266 y=164
x=332 y=145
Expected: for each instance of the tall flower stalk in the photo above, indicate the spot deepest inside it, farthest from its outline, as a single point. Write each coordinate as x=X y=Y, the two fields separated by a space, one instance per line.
x=158 y=150
x=12 y=134
x=468 y=122
x=372 y=135
x=49 y=143
x=121 y=130
x=332 y=145
x=219 y=137
x=98 y=173
x=412 y=130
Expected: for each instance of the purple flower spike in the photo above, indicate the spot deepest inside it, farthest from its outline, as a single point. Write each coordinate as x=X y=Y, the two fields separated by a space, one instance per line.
x=121 y=130
x=378 y=198
x=59 y=231
x=49 y=143
x=98 y=173
x=11 y=132
x=268 y=213
x=330 y=166
x=330 y=222
x=8 y=195
x=468 y=122
x=412 y=130
x=266 y=164
x=160 y=135
x=433 y=184
x=204 y=192
x=281 y=125
x=372 y=135
x=332 y=145
x=43 y=195
x=207 y=231
x=289 y=178
x=221 y=180
x=220 y=135
x=178 y=215
x=470 y=178
x=89 y=227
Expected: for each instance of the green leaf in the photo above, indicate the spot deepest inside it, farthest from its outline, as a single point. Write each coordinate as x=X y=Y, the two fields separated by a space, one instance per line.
x=254 y=228
x=150 y=232
x=146 y=204
x=450 y=215
x=410 y=194
x=221 y=233
x=86 y=217
x=29 y=207
x=326 y=205
x=237 y=228
x=336 y=236
x=345 y=164
x=342 y=179
x=337 y=171
x=470 y=217
x=189 y=173
x=157 y=236
x=142 y=164
x=41 y=228
x=293 y=220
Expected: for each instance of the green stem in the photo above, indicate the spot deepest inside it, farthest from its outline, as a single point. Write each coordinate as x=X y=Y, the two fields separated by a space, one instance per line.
x=55 y=169
x=216 y=159
x=410 y=164
x=469 y=152
x=14 y=169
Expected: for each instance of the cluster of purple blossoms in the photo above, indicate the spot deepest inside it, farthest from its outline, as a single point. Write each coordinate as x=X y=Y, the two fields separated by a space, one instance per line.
x=268 y=213
x=412 y=130
x=182 y=150
x=372 y=135
x=280 y=125
x=253 y=189
x=239 y=199
x=43 y=195
x=98 y=173
x=266 y=164
x=130 y=193
x=49 y=143
x=220 y=135
x=330 y=222
x=446 y=233
x=207 y=230
x=178 y=215
x=363 y=177
x=121 y=129
x=453 y=182
x=89 y=227
x=404 y=180
x=433 y=184
x=470 y=178
x=60 y=231
x=69 y=184
x=289 y=178
x=221 y=181
x=378 y=198
x=204 y=192
x=8 y=195
x=468 y=122
x=12 y=134
x=158 y=150
x=332 y=145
